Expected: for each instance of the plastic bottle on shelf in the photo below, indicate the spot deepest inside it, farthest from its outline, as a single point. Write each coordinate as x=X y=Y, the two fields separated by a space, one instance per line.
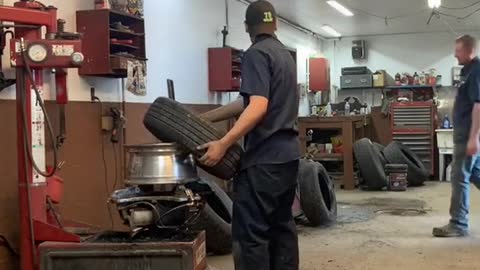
x=446 y=122
x=329 y=109
x=347 y=108
x=416 y=79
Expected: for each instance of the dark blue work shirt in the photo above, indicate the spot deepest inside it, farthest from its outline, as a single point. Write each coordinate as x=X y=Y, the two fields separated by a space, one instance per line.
x=468 y=94
x=268 y=70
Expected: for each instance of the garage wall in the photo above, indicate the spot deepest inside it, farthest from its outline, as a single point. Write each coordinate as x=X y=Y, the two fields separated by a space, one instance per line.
x=178 y=35
x=182 y=31
x=397 y=53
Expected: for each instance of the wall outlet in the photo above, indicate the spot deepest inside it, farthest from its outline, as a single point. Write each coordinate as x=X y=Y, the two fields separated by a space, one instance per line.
x=107 y=123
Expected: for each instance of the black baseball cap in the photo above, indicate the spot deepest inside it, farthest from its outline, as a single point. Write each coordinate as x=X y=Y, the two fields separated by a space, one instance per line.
x=261 y=17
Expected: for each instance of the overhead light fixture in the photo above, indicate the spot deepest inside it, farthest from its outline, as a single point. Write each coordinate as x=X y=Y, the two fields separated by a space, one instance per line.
x=328 y=29
x=434 y=3
x=340 y=8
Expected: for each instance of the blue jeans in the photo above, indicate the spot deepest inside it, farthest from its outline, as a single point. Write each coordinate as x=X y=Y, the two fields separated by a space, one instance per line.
x=464 y=170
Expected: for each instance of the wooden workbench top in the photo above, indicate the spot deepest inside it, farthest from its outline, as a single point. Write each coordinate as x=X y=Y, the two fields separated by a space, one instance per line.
x=333 y=118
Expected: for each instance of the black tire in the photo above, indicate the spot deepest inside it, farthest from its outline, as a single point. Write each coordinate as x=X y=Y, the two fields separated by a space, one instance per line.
x=370 y=164
x=317 y=194
x=398 y=153
x=169 y=121
x=216 y=220
x=379 y=150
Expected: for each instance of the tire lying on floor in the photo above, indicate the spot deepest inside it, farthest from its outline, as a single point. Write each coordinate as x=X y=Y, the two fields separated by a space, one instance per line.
x=216 y=220
x=379 y=150
x=370 y=164
x=317 y=194
x=398 y=153
x=169 y=121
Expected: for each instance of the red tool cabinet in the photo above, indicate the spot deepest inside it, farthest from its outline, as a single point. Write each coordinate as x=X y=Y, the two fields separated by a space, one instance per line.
x=413 y=124
x=224 y=69
x=319 y=77
x=110 y=39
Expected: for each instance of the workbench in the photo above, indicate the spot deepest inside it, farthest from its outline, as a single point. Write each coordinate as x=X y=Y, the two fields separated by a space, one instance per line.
x=351 y=128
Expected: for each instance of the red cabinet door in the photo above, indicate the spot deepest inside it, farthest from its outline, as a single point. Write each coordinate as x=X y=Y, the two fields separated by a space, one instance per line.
x=319 y=74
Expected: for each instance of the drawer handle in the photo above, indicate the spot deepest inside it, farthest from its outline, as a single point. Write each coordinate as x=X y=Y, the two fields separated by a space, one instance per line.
x=348 y=81
x=363 y=80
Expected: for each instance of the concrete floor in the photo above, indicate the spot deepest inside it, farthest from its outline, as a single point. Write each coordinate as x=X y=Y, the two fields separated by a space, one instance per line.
x=363 y=239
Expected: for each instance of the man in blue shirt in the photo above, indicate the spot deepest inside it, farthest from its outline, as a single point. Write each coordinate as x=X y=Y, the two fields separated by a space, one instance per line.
x=466 y=130
x=263 y=229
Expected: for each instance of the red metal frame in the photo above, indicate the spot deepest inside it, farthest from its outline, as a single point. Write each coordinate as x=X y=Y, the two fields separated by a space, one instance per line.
x=28 y=12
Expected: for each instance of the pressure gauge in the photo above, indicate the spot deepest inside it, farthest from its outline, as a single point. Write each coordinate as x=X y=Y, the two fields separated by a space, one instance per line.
x=37 y=53
x=77 y=58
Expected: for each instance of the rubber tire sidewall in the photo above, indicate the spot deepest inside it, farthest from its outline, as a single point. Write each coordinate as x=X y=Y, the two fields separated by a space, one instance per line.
x=311 y=197
x=218 y=230
x=379 y=151
x=417 y=173
x=170 y=121
x=370 y=164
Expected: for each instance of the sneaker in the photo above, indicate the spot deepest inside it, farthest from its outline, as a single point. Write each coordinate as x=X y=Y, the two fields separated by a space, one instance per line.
x=449 y=231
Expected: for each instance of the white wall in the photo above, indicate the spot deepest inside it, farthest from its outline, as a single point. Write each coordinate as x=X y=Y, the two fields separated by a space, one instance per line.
x=396 y=53
x=179 y=33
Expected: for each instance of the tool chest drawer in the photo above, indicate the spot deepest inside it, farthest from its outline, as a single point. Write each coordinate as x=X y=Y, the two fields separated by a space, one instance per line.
x=412 y=117
x=413 y=124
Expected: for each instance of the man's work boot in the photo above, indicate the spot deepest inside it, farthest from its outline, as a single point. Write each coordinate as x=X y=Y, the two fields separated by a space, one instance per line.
x=449 y=231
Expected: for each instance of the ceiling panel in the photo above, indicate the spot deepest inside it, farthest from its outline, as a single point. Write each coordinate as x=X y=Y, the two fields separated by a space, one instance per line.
x=405 y=16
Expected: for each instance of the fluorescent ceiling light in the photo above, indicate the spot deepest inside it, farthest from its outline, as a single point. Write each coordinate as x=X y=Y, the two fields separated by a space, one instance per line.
x=434 y=3
x=342 y=9
x=331 y=31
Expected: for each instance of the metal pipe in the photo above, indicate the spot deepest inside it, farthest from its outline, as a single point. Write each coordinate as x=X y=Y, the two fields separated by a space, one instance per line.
x=406 y=33
x=290 y=23
x=227 y=16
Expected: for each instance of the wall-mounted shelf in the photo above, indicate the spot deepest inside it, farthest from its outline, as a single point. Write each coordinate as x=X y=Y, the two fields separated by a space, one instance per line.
x=328 y=157
x=124 y=46
x=124 y=34
x=103 y=57
x=411 y=86
x=224 y=69
x=362 y=88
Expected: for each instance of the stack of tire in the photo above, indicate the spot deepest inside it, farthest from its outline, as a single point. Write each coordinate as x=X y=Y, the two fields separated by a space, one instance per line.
x=372 y=157
x=316 y=193
x=169 y=121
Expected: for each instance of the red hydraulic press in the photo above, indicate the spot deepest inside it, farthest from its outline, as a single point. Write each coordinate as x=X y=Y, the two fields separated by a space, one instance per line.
x=32 y=53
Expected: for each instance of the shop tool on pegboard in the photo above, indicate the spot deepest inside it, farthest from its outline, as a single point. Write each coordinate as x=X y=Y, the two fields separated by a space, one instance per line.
x=45 y=240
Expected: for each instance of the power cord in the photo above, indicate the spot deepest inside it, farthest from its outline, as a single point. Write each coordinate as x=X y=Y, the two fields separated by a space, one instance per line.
x=4 y=242
x=116 y=166
x=105 y=166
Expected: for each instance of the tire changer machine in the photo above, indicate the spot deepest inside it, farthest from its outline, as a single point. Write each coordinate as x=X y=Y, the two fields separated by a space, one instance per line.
x=46 y=241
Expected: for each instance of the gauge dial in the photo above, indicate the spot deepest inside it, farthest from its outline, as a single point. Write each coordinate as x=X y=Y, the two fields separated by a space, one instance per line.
x=77 y=58
x=37 y=53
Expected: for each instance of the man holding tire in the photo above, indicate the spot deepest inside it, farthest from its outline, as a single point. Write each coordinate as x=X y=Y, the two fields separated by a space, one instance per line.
x=264 y=233
x=466 y=157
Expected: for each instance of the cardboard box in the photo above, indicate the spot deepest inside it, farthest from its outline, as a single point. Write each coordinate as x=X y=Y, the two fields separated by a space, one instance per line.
x=382 y=79
x=379 y=78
